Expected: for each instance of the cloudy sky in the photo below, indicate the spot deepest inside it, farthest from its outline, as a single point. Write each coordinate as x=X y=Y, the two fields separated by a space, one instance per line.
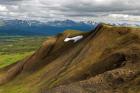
x=70 y=9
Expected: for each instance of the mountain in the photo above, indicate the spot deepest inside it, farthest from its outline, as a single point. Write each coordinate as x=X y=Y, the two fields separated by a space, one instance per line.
x=125 y=23
x=32 y=27
x=103 y=60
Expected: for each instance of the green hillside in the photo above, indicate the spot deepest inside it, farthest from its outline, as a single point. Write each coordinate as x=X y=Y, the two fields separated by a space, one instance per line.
x=105 y=60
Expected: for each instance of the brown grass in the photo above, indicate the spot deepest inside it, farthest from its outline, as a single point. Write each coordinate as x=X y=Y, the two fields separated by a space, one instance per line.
x=106 y=60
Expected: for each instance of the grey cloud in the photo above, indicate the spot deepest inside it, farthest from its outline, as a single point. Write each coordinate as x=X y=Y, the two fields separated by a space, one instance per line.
x=59 y=9
x=116 y=5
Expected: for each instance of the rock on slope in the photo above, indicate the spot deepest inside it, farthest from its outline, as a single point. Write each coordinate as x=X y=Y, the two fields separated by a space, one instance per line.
x=105 y=60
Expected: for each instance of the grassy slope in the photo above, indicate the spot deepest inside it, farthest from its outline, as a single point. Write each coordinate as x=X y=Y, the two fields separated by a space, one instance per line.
x=15 y=48
x=8 y=59
x=73 y=69
x=23 y=88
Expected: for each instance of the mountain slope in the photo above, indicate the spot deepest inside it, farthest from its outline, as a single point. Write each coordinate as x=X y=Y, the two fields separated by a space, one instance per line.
x=105 y=60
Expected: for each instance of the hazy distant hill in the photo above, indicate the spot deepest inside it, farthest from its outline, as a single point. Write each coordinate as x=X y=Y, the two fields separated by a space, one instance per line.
x=31 y=27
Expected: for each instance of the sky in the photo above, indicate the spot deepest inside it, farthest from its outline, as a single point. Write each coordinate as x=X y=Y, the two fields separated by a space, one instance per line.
x=70 y=9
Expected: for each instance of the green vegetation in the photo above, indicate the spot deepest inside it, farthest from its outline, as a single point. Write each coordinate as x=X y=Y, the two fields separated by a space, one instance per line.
x=6 y=59
x=15 y=48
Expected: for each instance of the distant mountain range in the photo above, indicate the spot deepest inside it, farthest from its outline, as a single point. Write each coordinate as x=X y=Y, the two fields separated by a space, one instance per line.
x=32 y=27
x=125 y=23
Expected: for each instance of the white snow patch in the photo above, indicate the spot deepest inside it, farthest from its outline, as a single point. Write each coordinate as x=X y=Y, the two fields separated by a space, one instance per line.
x=74 y=39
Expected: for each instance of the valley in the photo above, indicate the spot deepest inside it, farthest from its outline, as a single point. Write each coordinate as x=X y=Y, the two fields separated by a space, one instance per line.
x=15 y=48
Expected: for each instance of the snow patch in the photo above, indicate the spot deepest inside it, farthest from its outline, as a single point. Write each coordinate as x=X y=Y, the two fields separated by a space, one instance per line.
x=74 y=39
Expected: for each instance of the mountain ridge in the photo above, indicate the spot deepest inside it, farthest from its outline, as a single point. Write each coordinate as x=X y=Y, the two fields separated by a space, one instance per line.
x=105 y=60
